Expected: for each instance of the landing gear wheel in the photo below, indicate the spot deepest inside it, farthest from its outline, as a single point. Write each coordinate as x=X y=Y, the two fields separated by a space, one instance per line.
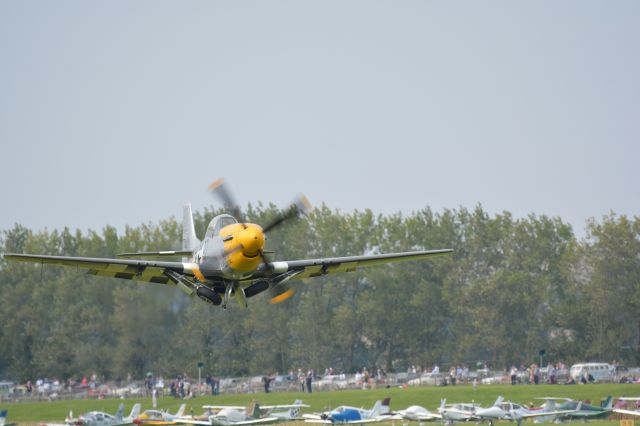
x=209 y=296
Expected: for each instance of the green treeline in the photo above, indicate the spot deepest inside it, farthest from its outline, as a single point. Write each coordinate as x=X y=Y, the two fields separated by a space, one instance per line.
x=512 y=288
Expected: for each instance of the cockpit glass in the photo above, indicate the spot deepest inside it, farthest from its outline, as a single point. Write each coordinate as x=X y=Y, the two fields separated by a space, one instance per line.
x=219 y=222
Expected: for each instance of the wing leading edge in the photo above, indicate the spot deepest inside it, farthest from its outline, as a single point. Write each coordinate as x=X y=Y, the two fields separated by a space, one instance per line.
x=137 y=270
x=318 y=267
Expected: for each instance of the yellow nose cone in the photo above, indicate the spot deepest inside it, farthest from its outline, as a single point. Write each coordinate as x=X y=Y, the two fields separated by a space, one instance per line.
x=252 y=240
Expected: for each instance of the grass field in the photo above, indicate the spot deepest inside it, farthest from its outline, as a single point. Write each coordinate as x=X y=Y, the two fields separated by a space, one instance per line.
x=429 y=397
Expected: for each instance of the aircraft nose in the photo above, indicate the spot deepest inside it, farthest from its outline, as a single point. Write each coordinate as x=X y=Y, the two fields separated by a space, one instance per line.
x=252 y=240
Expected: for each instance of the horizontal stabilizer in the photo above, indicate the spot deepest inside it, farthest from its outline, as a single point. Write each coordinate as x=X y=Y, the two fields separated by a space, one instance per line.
x=156 y=254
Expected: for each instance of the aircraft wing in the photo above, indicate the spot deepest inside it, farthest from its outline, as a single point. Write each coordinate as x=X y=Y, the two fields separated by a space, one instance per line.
x=253 y=422
x=128 y=269
x=221 y=407
x=628 y=412
x=318 y=267
x=195 y=422
x=350 y=422
x=283 y=407
x=420 y=417
x=547 y=413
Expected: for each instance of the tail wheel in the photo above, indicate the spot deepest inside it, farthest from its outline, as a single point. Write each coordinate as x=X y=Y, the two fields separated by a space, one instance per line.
x=209 y=296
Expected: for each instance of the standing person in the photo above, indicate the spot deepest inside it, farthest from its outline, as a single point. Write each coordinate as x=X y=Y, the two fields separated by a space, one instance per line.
x=552 y=374
x=216 y=385
x=514 y=375
x=266 y=380
x=301 y=378
x=309 y=380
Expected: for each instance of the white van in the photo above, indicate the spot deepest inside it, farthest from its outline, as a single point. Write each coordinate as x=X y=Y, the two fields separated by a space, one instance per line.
x=600 y=371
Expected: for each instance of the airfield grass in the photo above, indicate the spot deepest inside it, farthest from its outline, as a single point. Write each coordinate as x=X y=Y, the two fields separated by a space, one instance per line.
x=429 y=397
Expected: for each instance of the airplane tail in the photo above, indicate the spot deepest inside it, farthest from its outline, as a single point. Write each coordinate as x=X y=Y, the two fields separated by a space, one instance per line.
x=499 y=401
x=135 y=411
x=189 y=239
x=550 y=405
x=294 y=413
x=443 y=402
x=180 y=412
x=607 y=404
x=253 y=409
x=120 y=412
x=380 y=408
x=3 y=417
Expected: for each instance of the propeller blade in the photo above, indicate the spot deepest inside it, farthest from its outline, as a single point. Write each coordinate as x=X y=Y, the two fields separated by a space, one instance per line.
x=267 y=263
x=220 y=189
x=280 y=293
x=299 y=207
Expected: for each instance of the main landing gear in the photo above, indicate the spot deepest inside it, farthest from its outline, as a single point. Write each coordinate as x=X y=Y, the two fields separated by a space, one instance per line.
x=208 y=295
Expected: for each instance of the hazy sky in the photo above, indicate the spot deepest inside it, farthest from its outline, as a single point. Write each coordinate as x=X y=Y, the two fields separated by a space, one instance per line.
x=118 y=112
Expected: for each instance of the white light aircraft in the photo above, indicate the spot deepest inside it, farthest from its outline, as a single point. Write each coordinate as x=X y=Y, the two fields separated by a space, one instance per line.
x=417 y=413
x=459 y=412
x=625 y=411
x=502 y=410
x=250 y=415
x=99 y=418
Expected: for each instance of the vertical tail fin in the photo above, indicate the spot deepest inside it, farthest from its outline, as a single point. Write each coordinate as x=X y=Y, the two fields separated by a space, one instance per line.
x=189 y=239
x=550 y=405
x=380 y=408
x=498 y=401
x=135 y=411
x=3 y=417
x=608 y=403
x=253 y=409
x=120 y=412
x=180 y=412
x=294 y=413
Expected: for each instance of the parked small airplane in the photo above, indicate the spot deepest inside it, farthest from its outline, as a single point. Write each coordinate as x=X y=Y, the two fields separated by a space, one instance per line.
x=238 y=416
x=3 y=419
x=159 y=418
x=624 y=410
x=580 y=410
x=352 y=415
x=231 y=260
x=99 y=418
x=418 y=414
x=502 y=410
x=459 y=412
x=495 y=412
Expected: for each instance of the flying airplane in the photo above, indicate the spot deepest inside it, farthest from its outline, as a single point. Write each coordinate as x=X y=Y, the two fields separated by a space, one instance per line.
x=580 y=410
x=252 y=414
x=352 y=415
x=98 y=418
x=231 y=260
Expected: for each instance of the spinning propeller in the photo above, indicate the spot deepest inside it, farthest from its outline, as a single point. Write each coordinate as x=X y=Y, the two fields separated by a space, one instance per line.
x=250 y=240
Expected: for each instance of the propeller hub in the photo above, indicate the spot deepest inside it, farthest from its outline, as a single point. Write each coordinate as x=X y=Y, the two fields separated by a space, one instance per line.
x=251 y=239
